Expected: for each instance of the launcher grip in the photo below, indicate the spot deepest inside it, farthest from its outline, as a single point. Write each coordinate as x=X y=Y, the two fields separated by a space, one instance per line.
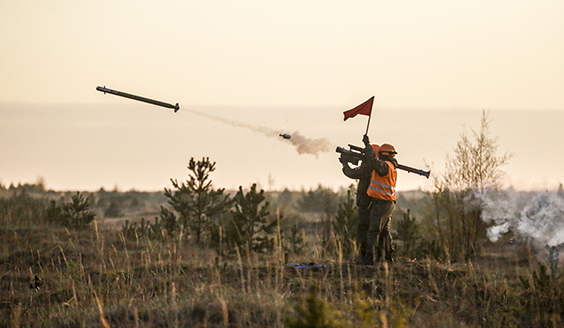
x=350 y=156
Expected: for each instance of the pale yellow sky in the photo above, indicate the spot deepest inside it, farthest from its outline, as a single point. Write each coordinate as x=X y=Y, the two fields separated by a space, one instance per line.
x=283 y=65
x=410 y=54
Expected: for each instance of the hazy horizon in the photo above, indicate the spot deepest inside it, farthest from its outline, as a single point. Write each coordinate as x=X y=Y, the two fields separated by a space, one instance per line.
x=141 y=147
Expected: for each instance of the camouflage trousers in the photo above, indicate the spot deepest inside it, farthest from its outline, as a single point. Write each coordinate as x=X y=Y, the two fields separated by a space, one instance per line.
x=378 y=236
x=362 y=231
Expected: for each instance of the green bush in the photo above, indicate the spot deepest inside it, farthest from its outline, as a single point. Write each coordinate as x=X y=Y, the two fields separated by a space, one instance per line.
x=197 y=204
x=76 y=214
x=542 y=299
x=344 y=227
x=314 y=312
x=252 y=228
x=407 y=230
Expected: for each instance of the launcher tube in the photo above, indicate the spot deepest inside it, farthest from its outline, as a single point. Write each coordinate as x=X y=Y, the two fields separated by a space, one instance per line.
x=355 y=154
x=414 y=170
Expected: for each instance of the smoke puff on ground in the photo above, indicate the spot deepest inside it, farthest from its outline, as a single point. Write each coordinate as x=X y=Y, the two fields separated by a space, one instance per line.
x=539 y=216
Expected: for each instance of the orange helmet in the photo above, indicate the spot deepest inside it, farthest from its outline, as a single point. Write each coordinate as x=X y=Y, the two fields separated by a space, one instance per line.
x=387 y=148
x=376 y=148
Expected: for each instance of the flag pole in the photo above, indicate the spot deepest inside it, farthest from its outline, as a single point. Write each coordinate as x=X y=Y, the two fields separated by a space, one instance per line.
x=368 y=125
x=369 y=116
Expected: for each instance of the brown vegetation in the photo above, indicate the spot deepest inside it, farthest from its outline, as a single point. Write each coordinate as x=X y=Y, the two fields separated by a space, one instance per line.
x=96 y=277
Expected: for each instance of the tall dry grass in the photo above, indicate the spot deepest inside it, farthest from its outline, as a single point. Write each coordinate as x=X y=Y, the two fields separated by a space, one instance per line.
x=99 y=278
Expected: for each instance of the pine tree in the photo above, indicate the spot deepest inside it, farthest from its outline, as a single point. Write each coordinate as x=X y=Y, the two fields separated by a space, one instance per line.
x=407 y=230
x=195 y=200
x=295 y=240
x=345 y=225
x=251 y=228
x=77 y=214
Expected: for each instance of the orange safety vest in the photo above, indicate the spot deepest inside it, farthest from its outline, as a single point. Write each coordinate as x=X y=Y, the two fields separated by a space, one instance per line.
x=384 y=187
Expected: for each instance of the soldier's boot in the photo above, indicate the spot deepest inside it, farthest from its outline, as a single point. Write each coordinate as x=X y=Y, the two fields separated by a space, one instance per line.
x=388 y=251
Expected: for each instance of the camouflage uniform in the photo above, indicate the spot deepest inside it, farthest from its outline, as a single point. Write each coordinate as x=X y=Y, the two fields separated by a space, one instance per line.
x=361 y=173
x=379 y=238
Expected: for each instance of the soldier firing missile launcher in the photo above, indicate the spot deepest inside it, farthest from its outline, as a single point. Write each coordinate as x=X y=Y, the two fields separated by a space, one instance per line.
x=138 y=98
x=355 y=154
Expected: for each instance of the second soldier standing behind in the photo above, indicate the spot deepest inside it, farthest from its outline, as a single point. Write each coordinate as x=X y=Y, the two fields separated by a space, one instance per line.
x=363 y=174
x=382 y=192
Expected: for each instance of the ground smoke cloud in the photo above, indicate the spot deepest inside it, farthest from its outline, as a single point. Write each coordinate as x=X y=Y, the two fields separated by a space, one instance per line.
x=304 y=145
x=536 y=215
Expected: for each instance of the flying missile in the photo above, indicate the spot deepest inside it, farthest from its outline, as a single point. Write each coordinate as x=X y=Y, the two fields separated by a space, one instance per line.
x=285 y=136
x=134 y=97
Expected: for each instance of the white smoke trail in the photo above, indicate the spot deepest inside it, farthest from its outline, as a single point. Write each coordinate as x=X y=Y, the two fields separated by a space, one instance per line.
x=539 y=216
x=304 y=145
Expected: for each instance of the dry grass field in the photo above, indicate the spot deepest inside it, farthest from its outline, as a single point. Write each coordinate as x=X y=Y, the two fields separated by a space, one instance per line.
x=55 y=277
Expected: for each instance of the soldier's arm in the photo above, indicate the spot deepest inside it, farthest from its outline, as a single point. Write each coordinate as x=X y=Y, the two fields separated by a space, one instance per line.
x=380 y=167
x=374 y=162
x=355 y=173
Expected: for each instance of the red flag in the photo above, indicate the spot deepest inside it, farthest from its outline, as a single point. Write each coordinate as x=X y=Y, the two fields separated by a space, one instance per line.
x=365 y=109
